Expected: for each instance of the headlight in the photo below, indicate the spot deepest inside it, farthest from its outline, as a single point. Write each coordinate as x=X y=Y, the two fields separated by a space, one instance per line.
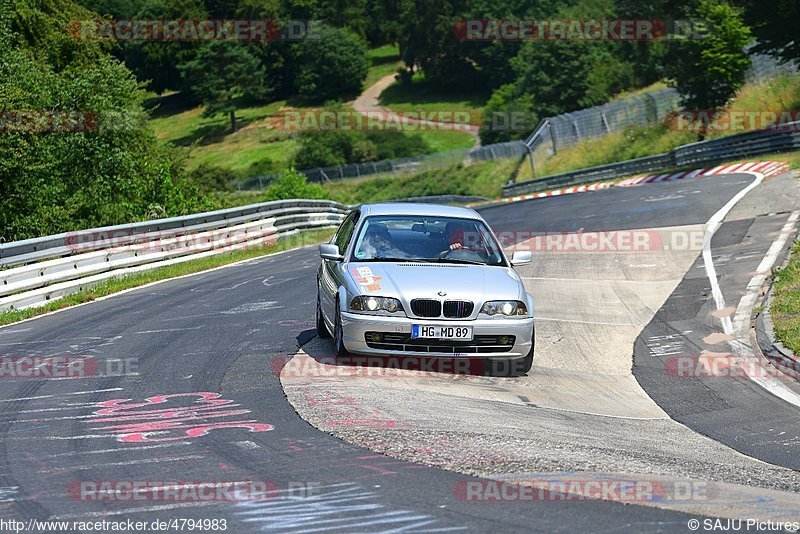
x=509 y=308
x=375 y=304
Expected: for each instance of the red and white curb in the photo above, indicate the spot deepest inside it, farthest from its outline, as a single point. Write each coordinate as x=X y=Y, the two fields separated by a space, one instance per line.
x=767 y=168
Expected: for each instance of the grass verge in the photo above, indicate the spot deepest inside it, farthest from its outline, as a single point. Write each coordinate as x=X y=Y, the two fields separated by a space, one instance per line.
x=774 y=94
x=420 y=95
x=485 y=179
x=785 y=307
x=115 y=285
x=383 y=61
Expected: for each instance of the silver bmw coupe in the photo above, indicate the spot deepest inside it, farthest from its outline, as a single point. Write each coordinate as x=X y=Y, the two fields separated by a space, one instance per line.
x=424 y=280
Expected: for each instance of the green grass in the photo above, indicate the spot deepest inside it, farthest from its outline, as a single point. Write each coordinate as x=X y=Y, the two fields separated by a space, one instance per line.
x=210 y=140
x=115 y=285
x=785 y=307
x=484 y=179
x=383 y=61
x=420 y=95
x=775 y=94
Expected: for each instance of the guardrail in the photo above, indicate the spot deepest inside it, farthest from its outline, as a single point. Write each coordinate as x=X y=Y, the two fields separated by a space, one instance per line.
x=46 y=268
x=728 y=148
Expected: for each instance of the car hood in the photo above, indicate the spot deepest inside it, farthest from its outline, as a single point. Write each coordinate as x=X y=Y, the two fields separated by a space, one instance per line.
x=408 y=281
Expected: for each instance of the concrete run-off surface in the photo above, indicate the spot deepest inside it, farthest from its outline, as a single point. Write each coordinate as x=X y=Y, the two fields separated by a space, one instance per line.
x=580 y=409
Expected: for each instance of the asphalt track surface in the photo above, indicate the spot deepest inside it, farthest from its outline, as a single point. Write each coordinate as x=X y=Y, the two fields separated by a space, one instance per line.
x=224 y=335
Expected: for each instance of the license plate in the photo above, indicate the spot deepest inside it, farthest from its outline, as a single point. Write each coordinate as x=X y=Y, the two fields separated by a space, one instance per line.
x=426 y=331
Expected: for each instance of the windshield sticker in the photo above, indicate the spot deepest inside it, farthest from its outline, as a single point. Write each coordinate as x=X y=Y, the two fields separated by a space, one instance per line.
x=365 y=279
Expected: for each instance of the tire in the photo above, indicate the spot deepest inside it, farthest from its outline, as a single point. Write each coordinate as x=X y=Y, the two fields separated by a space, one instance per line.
x=338 y=335
x=322 y=329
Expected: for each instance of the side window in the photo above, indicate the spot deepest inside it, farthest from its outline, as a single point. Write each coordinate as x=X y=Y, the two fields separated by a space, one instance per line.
x=346 y=232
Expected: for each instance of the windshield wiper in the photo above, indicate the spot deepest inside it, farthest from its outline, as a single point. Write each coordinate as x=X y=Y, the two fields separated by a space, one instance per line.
x=453 y=260
x=402 y=260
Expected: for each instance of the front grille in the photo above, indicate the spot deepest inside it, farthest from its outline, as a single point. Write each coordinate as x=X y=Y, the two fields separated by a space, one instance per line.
x=402 y=342
x=458 y=308
x=426 y=307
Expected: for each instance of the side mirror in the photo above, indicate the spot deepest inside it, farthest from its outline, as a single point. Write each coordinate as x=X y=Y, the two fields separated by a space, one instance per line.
x=330 y=252
x=521 y=257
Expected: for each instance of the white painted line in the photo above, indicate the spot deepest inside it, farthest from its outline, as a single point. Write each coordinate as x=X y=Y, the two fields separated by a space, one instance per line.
x=140 y=510
x=26 y=398
x=131 y=462
x=247 y=444
x=123 y=450
x=741 y=344
x=711 y=227
x=168 y=330
x=94 y=391
x=254 y=260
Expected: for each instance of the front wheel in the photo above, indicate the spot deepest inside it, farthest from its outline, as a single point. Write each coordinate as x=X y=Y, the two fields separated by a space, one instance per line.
x=322 y=329
x=338 y=334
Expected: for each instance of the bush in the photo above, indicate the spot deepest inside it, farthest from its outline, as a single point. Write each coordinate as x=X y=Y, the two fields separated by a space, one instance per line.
x=210 y=178
x=328 y=149
x=391 y=145
x=292 y=184
x=508 y=116
x=331 y=66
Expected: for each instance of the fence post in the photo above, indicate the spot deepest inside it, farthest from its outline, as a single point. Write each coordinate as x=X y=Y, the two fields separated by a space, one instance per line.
x=530 y=154
x=260 y=184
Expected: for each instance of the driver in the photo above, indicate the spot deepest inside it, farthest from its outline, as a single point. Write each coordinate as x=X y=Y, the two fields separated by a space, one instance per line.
x=455 y=235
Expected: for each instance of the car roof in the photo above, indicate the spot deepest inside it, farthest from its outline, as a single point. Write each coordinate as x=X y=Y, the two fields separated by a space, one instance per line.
x=424 y=210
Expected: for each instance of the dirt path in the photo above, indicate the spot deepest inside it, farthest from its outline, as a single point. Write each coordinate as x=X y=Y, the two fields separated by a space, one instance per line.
x=369 y=102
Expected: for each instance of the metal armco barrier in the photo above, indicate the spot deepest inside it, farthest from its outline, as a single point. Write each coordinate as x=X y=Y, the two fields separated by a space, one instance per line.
x=46 y=268
x=727 y=148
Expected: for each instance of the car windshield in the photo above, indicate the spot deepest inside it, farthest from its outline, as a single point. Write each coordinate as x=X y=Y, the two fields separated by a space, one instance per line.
x=426 y=239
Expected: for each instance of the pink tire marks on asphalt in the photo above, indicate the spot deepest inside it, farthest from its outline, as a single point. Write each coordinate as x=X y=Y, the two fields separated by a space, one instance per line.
x=135 y=422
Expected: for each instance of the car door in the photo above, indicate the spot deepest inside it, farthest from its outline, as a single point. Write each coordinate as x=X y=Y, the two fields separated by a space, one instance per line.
x=332 y=272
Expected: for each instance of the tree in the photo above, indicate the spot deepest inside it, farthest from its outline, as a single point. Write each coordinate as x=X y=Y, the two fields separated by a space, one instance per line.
x=108 y=168
x=428 y=42
x=330 y=65
x=507 y=116
x=221 y=74
x=774 y=23
x=708 y=71
x=156 y=62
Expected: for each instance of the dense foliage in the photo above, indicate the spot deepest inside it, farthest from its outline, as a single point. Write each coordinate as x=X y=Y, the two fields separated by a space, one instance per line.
x=105 y=166
x=114 y=169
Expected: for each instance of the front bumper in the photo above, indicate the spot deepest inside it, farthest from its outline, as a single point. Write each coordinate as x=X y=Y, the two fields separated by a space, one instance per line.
x=355 y=326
